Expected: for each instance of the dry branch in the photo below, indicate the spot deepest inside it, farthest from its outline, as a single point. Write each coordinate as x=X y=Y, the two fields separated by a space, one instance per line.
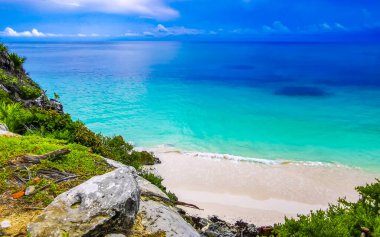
x=48 y=185
x=28 y=160
x=175 y=203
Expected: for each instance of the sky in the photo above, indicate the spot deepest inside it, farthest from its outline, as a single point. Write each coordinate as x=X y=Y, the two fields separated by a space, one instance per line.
x=190 y=19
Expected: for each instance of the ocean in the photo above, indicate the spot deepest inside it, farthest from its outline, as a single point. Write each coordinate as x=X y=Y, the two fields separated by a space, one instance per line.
x=314 y=102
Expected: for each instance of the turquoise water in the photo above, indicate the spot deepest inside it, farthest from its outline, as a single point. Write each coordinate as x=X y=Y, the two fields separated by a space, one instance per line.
x=304 y=102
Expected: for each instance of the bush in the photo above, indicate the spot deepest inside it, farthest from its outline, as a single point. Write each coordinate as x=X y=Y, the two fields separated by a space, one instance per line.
x=3 y=48
x=29 y=92
x=342 y=219
x=17 y=60
x=14 y=116
x=157 y=181
x=61 y=126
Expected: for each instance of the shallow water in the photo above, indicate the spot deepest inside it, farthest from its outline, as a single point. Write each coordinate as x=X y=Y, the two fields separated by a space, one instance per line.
x=288 y=101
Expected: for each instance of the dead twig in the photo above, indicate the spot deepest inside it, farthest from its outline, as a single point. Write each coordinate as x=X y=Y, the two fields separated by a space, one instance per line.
x=175 y=203
x=56 y=182
x=19 y=178
x=29 y=174
x=28 y=160
x=34 y=208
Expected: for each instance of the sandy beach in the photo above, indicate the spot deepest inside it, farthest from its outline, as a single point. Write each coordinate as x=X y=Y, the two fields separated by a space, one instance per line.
x=261 y=193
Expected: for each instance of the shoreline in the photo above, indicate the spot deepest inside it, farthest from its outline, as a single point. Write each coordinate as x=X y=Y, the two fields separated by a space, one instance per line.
x=259 y=192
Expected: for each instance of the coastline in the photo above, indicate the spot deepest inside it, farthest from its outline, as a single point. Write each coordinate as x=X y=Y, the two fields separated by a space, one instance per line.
x=261 y=192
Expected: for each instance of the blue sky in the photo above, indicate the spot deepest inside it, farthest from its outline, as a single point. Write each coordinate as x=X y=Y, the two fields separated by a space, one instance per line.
x=189 y=19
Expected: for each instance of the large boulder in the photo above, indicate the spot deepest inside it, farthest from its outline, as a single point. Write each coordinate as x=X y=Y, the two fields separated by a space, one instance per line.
x=158 y=217
x=103 y=205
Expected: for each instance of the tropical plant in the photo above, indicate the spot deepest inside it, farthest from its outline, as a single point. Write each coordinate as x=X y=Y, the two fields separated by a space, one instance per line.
x=17 y=60
x=14 y=116
x=343 y=219
x=3 y=48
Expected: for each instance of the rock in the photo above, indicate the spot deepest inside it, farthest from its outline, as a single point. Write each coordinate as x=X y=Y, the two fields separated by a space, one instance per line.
x=156 y=216
x=102 y=205
x=3 y=128
x=4 y=131
x=215 y=227
x=5 y=224
x=114 y=163
x=44 y=103
x=147 y=187
x=56 y=105
x=159 y=217
x=115 y=235
x=3 y=88
x=29 y=190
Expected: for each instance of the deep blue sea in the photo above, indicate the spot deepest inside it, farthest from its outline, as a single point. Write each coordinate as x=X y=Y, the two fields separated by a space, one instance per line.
x=288 y=101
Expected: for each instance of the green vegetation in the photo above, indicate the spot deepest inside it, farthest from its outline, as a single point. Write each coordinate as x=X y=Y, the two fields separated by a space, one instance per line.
x=3 y=48
x=17 y=60
x=26 y=88
x=79 y=162
x=343 y=219
x=14 y=116
x=46 y=130
x=157 y=181
x=52 y=124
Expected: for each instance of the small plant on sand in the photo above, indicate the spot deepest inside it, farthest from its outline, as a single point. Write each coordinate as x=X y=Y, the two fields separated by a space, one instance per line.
x=343 y=219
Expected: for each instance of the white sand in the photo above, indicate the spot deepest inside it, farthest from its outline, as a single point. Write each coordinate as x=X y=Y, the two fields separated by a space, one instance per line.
x=260 y=193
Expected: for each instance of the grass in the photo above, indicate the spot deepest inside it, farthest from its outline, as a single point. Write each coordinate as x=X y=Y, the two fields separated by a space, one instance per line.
x=79 y=162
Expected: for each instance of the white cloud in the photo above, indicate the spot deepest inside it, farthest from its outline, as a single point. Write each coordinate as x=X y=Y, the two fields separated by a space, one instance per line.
x=132 y=34
x=177 y=30
x=162 y=28
x=33 y=33
x=161 y=31
x=276 y=28
x=144 y=8
x=84 y=35
x=326 y=27
x=9 y=32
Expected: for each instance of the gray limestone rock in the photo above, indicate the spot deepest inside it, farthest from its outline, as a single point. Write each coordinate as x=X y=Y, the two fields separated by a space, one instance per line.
x=102 y=205
x=159 y=217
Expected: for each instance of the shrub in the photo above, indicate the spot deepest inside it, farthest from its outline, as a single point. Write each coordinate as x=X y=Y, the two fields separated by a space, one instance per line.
x=342 y=219
x=157 y=181
x=14 y=116
x=3 y=48
x=61 y=126
x=17 y=60
x=29 y=92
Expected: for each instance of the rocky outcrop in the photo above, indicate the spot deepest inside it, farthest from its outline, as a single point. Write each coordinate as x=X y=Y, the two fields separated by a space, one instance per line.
x=15 y=82
x=45 y=103
x=105 y=204
x=159 y=217
x=215 y=227
x=148 y=188
x=3 y=128
x=155 y=216
x=5 y=132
